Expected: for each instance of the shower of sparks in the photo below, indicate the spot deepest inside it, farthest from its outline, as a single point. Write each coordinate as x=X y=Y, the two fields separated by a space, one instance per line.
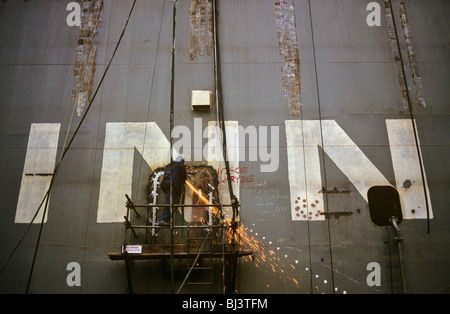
x=265 y=256
x=252 y=242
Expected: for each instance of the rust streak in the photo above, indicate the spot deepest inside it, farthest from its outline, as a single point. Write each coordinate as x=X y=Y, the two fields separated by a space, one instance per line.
x=201 y=28
x=411 y=54
x=86 y=54
x=288 y=48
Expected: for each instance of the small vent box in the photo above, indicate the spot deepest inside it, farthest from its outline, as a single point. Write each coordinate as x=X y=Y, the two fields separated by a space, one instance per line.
x=201 y=100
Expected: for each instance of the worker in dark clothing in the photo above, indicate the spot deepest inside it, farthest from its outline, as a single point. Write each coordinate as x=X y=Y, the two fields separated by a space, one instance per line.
x=177 y=171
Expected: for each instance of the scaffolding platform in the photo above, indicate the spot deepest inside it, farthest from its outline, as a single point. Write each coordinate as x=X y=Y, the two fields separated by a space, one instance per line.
x=180 y=251
x=202 y=242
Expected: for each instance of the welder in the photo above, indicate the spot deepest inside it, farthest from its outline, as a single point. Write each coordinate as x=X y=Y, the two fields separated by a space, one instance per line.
x=175 y=171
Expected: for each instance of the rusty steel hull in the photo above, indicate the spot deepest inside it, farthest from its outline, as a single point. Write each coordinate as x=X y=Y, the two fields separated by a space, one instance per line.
x=329 y=106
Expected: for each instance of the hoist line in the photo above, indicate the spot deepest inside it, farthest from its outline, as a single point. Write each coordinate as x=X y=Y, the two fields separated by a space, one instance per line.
x=411 y=113
x=171 y=123
x=63 y=154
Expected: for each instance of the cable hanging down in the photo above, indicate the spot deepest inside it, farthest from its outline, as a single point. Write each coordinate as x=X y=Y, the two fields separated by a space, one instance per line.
x=58 y=165
x=412 y=118
x=171 y=122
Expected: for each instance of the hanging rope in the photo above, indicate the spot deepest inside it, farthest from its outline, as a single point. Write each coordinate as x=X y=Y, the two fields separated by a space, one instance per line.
x=416 y=139
x=58 y=165
x=172 y=92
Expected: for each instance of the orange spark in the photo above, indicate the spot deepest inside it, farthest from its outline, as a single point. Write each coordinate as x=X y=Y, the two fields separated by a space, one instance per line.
x=250 y=241
x=202 y=197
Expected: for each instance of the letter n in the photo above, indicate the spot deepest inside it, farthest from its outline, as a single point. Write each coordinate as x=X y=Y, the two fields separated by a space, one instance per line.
x=303 y=141
x=121 y=142
x=37 y=171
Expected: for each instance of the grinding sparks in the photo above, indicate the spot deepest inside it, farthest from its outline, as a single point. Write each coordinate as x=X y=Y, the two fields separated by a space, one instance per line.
x=196 y=191
x=251 y=242
x=271 y=257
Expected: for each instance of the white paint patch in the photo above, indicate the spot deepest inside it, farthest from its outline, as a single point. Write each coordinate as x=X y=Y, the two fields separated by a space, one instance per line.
x=349 y=158
x=214 y=155
x=305 y=181
x=406 y=164
x=37 y=171
x=303 y=139
x=188 y=199
x=121 y=139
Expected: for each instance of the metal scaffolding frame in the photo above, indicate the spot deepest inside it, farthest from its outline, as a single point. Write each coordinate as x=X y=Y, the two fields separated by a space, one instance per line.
x=228 y=252
x=218 y=248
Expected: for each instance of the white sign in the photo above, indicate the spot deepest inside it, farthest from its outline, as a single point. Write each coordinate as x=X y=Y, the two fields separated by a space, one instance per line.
x=133 y=249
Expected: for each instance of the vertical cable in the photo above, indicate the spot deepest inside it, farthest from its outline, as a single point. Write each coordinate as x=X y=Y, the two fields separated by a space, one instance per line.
x=172 y=91
x=47 y=195
x=390 y=259
x=218 y=97
x=152 y=86
x=221 y=123
x=322 y=144
x=306 y=190
x=416 y=139
x=63 y=154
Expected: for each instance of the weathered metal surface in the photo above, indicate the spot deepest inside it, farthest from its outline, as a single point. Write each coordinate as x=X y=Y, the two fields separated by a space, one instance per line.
x=86 y=54
x=412 y=55
x=201 y=26
x=393 y=40
x=349 y=81
x=287 y=42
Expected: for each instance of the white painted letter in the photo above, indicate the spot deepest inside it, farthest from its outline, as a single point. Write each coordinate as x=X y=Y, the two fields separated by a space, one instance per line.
x=304 y=165
x=303 y=139
x=37 y=171
x=406 y=164
x=305 y=182
x=214 y=155
x=121 y=140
